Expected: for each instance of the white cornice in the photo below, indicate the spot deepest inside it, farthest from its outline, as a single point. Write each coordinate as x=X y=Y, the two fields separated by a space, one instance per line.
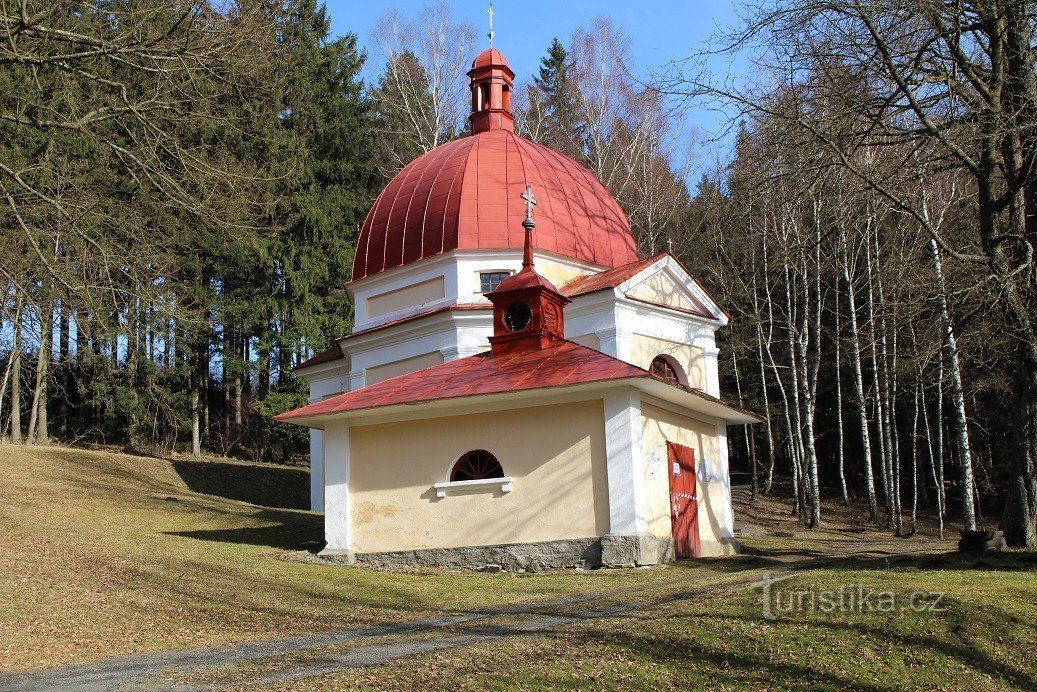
x=407 y=272
x=444 y=320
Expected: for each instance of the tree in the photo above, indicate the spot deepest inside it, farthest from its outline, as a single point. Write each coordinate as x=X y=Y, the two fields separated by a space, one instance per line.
x=950 y=86
x=422 y=95
x=552 y=114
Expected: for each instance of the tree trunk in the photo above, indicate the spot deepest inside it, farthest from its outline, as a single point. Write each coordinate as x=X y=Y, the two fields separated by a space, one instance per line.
x=877 y=359
x=65 y=366
x=957 y=392
x=3 y=386
x=1020 y=512
x=840 y=458
x=858 y=381
x=197 y=388
x=763 y=379
x=753 y=480
x=914 y=464
x=239 y=374
x=38 y=432
x=937 y=473
x=16 y=374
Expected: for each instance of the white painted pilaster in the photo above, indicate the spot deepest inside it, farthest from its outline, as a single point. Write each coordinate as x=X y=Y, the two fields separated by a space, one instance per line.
x=712 y=367
x=356 y=380
x=615 y=342
x=316 y=470
x=337 y=509
x=627 y=506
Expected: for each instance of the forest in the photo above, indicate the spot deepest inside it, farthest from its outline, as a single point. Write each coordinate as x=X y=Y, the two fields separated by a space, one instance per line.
x=184 y=183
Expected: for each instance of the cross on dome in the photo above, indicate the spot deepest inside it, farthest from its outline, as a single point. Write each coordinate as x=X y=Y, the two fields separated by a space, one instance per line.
x=530 y=203
x=490 y=12
x=529 y=224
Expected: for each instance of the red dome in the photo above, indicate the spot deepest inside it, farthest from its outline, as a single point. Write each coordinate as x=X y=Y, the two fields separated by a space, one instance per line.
x=464 y=195
x=490 y=56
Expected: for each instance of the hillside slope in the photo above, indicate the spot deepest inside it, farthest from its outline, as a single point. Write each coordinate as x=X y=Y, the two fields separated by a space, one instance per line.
x=106 y=554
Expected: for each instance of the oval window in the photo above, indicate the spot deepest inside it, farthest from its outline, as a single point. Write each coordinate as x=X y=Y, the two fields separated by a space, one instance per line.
x=517 y=316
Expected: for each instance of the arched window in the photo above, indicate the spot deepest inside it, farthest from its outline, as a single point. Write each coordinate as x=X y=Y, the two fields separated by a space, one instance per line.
x=484 y=90
x=666 y=368
x=476 y=466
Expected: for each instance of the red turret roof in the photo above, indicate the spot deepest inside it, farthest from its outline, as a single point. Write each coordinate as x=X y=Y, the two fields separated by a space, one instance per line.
x=490 y=56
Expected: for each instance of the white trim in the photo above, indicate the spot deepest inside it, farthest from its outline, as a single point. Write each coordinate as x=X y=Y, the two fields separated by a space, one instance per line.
x=452 y=487
x=727 y=520
x=460 y=271
x=316 y=470
x=627 y=504
x=338 y=521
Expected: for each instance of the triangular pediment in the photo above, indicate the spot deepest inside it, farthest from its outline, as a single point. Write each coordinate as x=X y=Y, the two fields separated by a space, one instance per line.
x=666 y=283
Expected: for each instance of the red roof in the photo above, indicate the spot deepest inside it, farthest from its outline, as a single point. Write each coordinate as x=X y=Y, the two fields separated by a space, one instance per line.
x=465 y=195
x=610 y=278
x=329 y=355
x=490 y=56
x=565 y=363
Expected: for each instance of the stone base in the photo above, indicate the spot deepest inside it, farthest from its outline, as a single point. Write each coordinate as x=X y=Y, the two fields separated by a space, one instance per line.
x=611 y=550
x=725 y=547
x=635 y=549
x=512 y=557
x=341 y=557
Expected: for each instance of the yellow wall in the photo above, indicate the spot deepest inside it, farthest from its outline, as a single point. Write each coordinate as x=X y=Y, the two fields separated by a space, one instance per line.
x=560 y=488
x=557 y=274
x=406 y=297
x=644 y=349
x=660 y=426
x=401 y=367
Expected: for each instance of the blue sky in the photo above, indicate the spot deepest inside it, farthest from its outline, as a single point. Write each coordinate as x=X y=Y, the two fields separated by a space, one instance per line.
x=660 y=32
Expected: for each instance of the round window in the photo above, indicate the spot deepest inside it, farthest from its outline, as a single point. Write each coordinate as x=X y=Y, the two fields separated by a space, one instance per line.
x=517 y=316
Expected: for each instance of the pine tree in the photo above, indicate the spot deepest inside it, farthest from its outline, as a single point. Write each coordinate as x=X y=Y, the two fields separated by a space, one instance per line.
x=404 y=113
x=553 y=95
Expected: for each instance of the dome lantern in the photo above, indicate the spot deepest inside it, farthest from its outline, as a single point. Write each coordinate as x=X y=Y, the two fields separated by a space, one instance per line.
x=492 y=81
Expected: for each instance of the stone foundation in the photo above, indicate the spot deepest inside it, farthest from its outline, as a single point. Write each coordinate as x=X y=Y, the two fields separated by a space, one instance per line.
x=611 y=550
x=635 y=549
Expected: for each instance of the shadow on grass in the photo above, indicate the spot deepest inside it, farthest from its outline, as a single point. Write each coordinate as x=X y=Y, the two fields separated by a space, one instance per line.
x=959 y=619
x=257 y=484
x=282 y=529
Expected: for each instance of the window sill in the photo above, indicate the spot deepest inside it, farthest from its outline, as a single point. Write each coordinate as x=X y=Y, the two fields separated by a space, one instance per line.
x=458 y=487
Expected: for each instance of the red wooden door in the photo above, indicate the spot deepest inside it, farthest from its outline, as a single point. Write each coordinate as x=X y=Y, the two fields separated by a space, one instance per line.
x=684 y=506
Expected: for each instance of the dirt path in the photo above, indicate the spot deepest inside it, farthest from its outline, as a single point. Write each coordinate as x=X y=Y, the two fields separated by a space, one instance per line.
x=285 y=660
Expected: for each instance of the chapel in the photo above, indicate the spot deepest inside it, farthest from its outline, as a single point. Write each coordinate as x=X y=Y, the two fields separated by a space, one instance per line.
x=520 y=388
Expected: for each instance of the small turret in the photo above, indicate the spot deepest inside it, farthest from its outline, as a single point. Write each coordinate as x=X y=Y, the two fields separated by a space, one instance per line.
x=528 y=311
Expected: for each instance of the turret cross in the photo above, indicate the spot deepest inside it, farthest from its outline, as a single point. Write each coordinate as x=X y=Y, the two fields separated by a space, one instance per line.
x=490 y=12
x=530 y=203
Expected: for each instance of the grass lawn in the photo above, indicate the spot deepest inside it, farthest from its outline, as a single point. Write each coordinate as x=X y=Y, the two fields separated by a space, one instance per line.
x=984 y=638
x=107 y=554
